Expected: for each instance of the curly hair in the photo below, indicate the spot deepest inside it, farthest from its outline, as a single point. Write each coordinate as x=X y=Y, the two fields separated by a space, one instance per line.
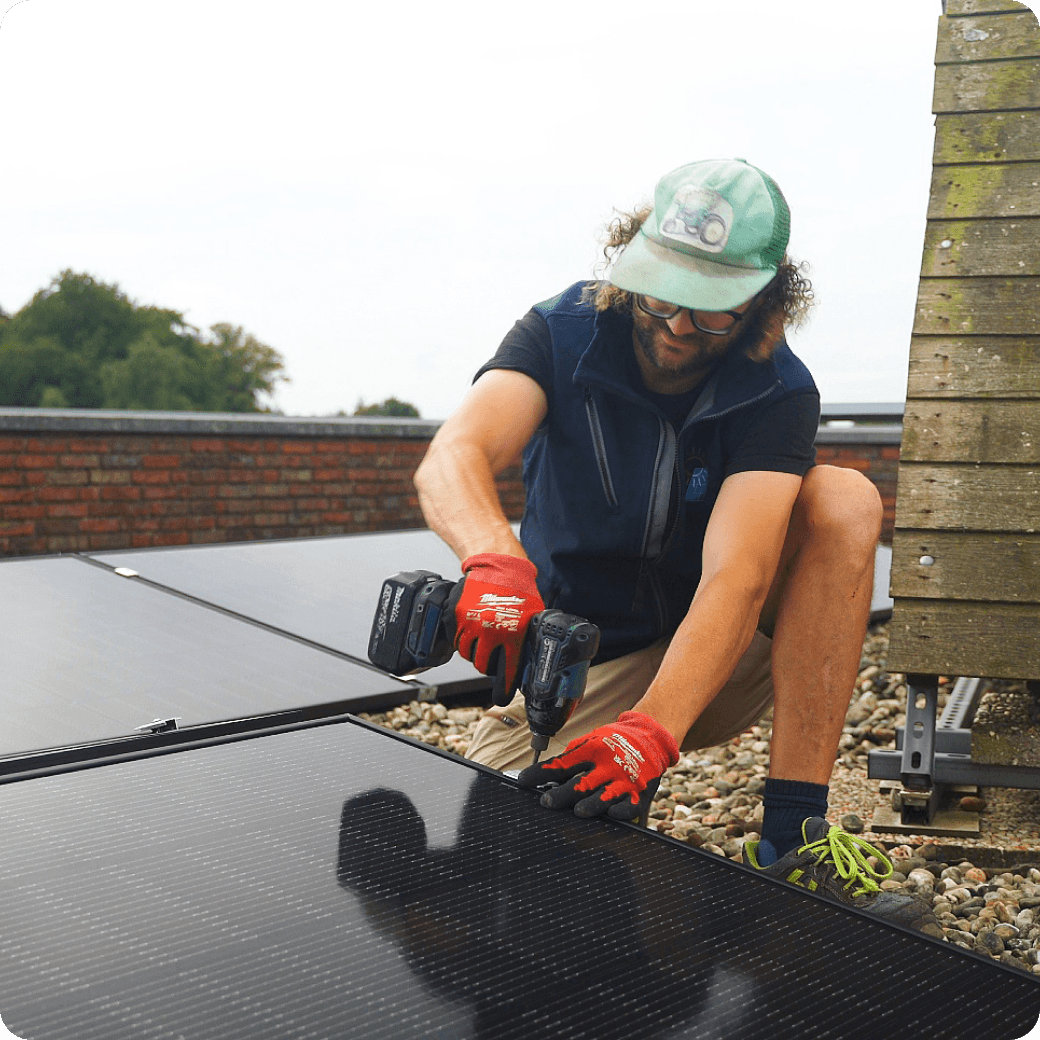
x=785 y=301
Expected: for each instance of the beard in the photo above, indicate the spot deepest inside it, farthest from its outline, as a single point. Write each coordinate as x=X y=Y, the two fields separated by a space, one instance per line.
x=680 y=356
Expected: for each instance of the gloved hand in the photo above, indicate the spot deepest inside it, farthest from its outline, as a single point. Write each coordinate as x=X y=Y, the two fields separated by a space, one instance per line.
x=615 y=769
x=492 y=607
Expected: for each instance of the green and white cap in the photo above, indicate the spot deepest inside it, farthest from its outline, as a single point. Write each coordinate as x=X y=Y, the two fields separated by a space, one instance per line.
x=715 y=237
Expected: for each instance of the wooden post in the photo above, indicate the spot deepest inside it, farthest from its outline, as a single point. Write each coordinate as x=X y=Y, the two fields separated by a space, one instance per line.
x=966 y=550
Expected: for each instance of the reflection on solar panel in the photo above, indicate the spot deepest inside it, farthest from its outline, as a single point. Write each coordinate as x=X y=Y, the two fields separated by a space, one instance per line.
x=90 y=656
x=321 y=589
x=336 y=881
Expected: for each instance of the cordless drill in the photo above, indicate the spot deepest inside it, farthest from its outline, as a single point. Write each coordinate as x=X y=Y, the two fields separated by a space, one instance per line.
x=414 y=630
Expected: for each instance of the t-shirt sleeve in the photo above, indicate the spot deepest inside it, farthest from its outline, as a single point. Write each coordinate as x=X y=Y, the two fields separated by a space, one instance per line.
x=527 y=348
x=779 y=437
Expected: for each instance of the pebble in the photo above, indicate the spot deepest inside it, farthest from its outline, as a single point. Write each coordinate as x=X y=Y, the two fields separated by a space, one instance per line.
x=712 y=799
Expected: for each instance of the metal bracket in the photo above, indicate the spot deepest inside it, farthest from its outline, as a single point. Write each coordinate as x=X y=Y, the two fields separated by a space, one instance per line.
x=159 y=726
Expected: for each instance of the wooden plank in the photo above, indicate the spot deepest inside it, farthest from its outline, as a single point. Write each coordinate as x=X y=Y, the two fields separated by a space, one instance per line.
x=988 y=37
x=981 y=247
x=966 y=566
x=987 y=190
x=972 y=431
x=947 y=496
x=978 y=137
x=979 y=366
x=958 y=8
x=987 y=87
x=978 y=307
x=997 y=640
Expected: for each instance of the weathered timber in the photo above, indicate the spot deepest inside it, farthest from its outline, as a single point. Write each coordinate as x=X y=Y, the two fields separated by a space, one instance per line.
x=978 y=137
x=998 y=640
x=972 y=431
x=959 y=496
x=959 y=8
x=992 y=87
x=977 y=366
x=998 y=567
x=977 y=306
x=985 y=38
x=985 y=190
x=982 y=247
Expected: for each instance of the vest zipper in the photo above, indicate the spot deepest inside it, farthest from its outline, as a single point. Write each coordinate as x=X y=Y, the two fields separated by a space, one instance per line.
x=657 y=522
x=599 y=448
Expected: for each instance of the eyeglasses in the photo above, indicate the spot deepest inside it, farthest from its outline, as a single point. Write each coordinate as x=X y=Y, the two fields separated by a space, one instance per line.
x=722 y=322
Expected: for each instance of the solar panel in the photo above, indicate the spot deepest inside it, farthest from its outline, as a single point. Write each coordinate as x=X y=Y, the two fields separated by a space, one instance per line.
x=337 y=882
x=321 y=589
x=90 y=656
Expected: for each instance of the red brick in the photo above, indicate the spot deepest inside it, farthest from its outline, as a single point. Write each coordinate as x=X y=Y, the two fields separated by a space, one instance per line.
x=47 y=444
x=37 y=461
x=100 y=525
x=13 y=528
x=160 y=461
x=25 y=512
x=851 y=463
x=110 y=476
x=56 y=494
x=155 y=476
x=100 y=446
x=11 y=478
x=68 y=509
x=12 y=444
x=27 y=495
x=77 y=461
x=120 y=494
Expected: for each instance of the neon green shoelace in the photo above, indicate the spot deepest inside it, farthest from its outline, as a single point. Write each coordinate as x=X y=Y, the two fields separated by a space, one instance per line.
x=849 y=856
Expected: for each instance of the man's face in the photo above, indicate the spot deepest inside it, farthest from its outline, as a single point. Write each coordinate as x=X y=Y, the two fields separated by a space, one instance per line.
x=673 y=352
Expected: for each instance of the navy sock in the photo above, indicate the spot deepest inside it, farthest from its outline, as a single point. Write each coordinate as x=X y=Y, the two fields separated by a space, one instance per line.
x=787 y=805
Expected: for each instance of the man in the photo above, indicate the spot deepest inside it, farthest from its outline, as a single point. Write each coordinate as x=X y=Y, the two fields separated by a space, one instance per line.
x=672 y=498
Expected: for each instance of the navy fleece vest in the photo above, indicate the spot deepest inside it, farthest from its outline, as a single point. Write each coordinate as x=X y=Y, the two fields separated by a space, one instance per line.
x=611 y=541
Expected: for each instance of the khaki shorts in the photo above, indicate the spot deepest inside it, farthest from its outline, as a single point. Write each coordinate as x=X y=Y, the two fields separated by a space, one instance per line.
x=503 y=741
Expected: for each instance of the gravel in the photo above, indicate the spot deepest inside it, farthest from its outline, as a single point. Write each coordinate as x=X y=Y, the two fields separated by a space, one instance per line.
x=985 y=892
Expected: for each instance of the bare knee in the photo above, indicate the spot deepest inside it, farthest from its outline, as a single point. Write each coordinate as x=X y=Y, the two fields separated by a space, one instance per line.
x=840 y=503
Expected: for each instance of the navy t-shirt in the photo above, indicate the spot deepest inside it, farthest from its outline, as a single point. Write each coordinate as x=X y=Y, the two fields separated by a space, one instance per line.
x=778 y=438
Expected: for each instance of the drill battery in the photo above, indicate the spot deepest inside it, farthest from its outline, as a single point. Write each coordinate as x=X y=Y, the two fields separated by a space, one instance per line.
x=413 y=630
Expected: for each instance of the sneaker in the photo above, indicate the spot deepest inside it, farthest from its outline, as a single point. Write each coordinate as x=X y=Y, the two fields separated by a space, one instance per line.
x=834 y=864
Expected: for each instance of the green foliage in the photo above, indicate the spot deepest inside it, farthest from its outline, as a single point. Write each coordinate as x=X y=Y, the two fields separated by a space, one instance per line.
x=83 y=344
x=390 y=407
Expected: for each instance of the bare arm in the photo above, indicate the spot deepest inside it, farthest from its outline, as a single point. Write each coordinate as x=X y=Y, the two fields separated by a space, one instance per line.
x=742 y=548
x=456 y=479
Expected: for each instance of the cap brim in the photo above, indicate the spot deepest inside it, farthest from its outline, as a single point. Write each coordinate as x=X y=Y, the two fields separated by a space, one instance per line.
x=689 y=281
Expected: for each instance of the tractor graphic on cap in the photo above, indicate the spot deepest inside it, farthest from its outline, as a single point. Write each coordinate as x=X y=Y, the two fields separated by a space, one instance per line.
x=698 y=217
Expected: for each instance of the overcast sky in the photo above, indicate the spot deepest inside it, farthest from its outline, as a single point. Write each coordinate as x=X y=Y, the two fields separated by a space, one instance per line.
x=379 y=191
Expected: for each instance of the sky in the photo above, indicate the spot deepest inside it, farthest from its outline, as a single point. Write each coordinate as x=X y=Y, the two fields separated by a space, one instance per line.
x=379 y=191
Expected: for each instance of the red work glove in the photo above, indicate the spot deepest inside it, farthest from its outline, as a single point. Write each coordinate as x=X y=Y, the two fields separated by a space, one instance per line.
x=493 y=605
x=615 y=769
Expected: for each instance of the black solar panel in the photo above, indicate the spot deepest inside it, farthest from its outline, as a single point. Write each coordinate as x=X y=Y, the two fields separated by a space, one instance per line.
x=90 y=656
x=337 y=882
x=321 y=589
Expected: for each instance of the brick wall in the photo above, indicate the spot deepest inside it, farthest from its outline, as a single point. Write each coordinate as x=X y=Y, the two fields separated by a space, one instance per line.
x=82 y=481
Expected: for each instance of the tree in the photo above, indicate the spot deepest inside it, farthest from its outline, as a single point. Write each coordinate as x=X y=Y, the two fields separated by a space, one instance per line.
x=83 y=344
x=390 y=407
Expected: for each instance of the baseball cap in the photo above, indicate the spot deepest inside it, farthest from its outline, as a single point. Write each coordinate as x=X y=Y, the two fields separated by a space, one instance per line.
x=715 y=237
